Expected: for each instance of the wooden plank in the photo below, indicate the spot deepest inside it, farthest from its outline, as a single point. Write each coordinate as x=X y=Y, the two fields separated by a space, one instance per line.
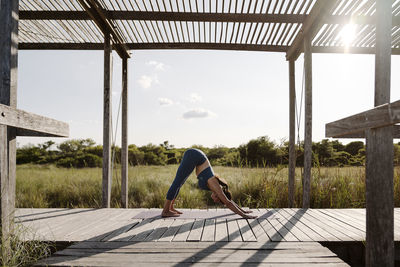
x=380 y=116
x=167 y=16
x=184 y=231
x=100 y=227
x=145 y=231
x=283 y=230
x=171 y=231
x=292 y=132
x=233 y=231
x=307 y=122
x=245 y=230
x=325 y=225
x=310 y=27
x=125 y=227
x=107 y=125
x=160 y=230
x=358 y=222
x=196 y=231
x=361 y=135
x=273 y=234
x=96 y=12
x=131 y=232
x=321 y=233
x=345 y=228
x=379 y=163
x=209 y=230
x=124 y=137
x=8 y=96
x=259 y=233
x=200 y=245
x=221 y=230
x=203 y=46
x=40 y=125
x=200 y=17
x=296 y=228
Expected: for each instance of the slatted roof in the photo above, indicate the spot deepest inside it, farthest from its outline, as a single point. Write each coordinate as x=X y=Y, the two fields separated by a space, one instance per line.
x=254 y=25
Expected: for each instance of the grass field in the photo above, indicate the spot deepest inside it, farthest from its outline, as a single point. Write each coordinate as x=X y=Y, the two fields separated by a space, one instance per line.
x=51 y=187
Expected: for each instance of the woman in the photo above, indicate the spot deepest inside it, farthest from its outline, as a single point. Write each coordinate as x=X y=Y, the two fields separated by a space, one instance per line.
x=195 y=158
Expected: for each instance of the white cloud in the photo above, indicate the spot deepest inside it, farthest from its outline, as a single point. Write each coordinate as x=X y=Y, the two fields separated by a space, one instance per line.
x=147 y=81
x=195 y=98
x=157 y=65
x=197 y=114
x=165 y=101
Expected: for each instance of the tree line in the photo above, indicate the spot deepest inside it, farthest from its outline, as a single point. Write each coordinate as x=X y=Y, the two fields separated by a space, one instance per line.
x=259 y=152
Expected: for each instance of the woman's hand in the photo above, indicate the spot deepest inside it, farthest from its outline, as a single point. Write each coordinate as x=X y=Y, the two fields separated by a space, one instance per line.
x=249 y=216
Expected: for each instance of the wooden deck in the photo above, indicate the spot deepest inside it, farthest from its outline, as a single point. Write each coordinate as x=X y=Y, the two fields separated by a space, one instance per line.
x=121 y=237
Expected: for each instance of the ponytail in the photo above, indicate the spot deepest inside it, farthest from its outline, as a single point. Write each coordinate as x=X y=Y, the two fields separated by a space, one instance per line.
x=225 y=187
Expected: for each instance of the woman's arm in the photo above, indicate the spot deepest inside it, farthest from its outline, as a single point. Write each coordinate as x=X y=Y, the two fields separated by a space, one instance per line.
x=230 y=204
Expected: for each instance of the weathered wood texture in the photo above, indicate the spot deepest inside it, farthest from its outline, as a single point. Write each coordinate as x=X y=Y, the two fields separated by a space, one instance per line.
x=361 y=135
x=380 y=116
x=8 y=96
x=203 y=46
x=32 y=124
x=196 y=254
x=292 y=132
x=310 y=27
x=124 y=137
x=307 y=122
x=272 y=225
x=379 y=165
x=107 y=126
x=96 y=13
x=206 y=17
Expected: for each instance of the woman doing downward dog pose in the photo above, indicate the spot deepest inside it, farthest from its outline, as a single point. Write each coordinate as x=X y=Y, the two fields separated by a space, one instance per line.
x=195 y=158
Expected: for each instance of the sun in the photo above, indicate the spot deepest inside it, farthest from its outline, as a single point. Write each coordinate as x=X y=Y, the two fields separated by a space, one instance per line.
x=347 y=34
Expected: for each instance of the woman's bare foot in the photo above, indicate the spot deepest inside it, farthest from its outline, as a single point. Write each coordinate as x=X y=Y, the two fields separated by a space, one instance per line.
x=169 y=214
x=176 y=211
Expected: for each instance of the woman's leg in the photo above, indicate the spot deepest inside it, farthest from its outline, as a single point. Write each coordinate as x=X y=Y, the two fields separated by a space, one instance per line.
x=185 y=169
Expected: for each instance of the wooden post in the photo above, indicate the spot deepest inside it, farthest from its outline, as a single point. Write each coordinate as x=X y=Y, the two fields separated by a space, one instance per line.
x=124 y=138
x=107 y=127
x=8 y=96
x=292 y=132
x=307 y=122
x=379 y=169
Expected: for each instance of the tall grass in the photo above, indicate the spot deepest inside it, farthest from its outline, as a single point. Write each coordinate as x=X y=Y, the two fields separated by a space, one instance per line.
x=20 y=253
x=50 y=187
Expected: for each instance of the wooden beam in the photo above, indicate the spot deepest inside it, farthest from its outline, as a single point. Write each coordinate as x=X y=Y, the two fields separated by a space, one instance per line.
x=379 y=165
x=307 y=123
x=380 y=116
x=8 y=96
x=149 y=46
x=198 y=17
x=27 y=122
x=310 y=26
x=361 y=135
x=107 y=126
x=292 y=132
x=202 y=46
x=165 y=16
x=96 y=12
x=124 y=137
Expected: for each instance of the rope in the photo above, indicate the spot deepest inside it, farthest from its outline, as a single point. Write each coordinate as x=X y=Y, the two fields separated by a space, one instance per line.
x=114 y=137
x=298 y=113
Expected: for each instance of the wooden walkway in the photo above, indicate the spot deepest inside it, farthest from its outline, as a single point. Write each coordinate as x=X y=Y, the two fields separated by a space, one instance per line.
x=117 y=237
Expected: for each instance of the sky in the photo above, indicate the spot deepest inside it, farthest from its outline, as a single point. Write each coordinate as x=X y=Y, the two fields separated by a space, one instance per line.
x=188 y=97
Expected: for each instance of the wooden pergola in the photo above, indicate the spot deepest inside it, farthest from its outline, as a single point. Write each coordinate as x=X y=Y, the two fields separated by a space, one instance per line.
x=289 y=26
